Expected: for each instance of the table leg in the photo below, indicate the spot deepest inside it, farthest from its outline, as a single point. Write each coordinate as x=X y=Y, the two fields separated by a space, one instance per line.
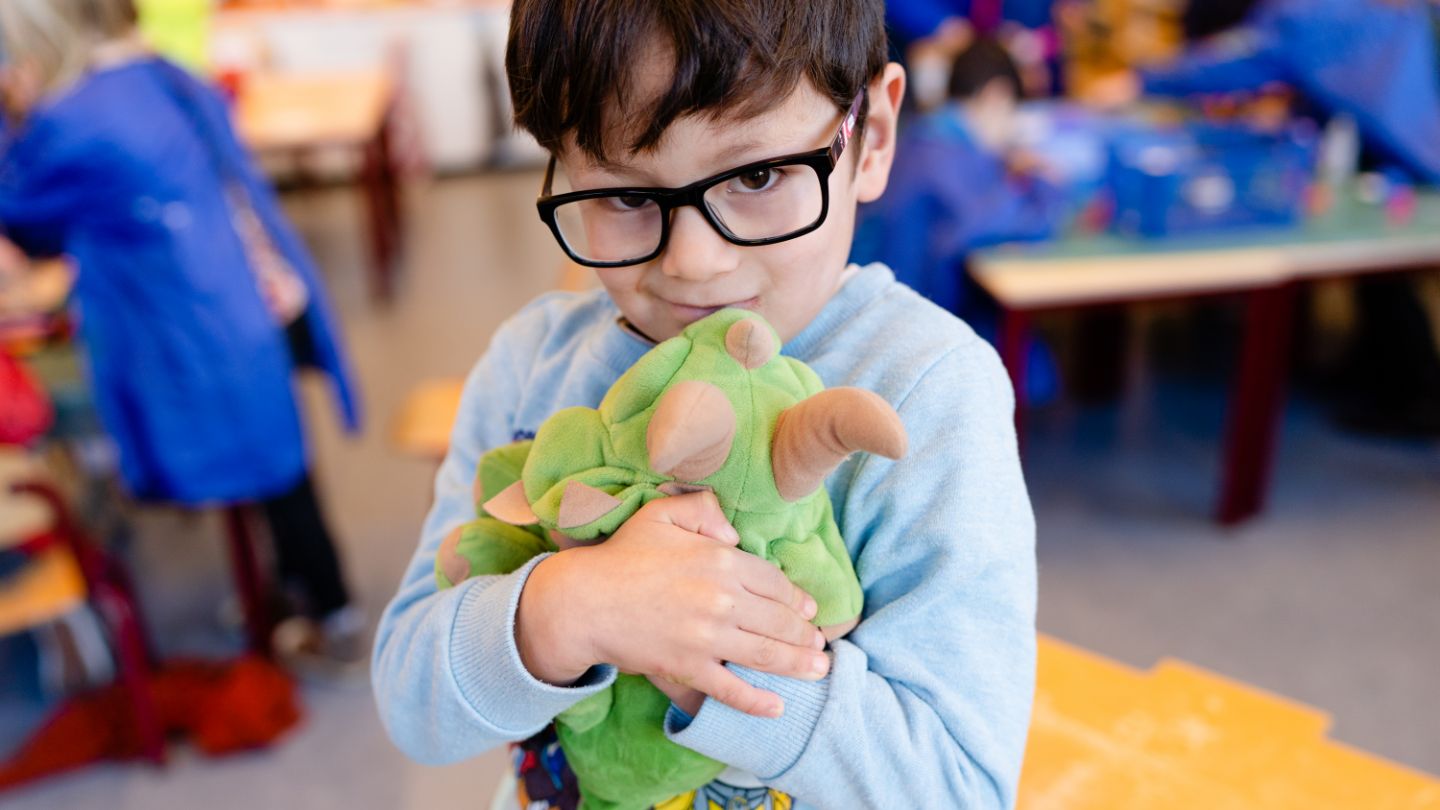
x=1257 y=401
x=1014 y=337
x=382 y=204
x=249 y=582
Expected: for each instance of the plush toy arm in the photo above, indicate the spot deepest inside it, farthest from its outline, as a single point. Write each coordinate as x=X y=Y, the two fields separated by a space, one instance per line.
x=820 y=565
x=588 y=713
x=638 y=387
x=486 y=546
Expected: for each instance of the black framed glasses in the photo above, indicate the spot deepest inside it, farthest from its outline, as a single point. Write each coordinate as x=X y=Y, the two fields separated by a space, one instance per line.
x=760 y=203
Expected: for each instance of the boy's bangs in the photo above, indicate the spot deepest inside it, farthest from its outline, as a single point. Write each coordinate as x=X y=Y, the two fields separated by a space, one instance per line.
x=615 y=74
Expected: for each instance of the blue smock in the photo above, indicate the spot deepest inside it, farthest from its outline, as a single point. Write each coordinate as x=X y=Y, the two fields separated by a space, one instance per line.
x=948 y=196
x=1372 y=59
x=126 y=173
x=910 y=20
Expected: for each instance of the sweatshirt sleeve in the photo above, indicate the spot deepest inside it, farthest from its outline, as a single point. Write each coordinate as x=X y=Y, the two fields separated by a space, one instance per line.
x=446 y=671
x=928 y=700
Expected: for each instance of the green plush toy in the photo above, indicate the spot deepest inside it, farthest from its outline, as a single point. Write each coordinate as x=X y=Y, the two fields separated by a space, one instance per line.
x=715 y=408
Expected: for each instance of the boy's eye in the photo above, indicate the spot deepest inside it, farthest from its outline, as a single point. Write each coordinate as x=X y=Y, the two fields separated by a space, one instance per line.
x=758 y=180
x=630 y=201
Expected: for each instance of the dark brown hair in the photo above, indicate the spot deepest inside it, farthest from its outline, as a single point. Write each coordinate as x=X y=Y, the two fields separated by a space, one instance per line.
x=572 y=61
x=982 y=62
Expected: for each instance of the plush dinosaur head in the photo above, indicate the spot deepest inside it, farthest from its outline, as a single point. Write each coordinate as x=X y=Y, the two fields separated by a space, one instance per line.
x=717 y=407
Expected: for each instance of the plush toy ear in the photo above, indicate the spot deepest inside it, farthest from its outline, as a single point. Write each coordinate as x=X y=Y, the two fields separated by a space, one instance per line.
x=691 y=431
x=510 y=506
x=582 y=503
x=815 y=435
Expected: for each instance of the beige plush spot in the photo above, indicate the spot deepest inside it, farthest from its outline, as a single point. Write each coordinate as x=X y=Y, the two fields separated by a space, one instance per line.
x=690 y=434
x=750 y=344
x=510 y=506
x=452 y=564
x=582 y=504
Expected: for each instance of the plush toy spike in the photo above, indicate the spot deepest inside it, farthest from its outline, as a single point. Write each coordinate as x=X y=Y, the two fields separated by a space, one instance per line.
x=511 y=506
x=449 y=560
x=690 y=434
x=582 y=503
x=814 y=436
x=750 y=343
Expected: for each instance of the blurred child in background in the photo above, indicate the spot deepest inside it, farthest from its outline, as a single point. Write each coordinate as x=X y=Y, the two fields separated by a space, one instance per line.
x=957 y=185
x=196 y=299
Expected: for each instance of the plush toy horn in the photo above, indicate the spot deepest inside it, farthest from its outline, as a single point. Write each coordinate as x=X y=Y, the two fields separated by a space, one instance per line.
x=749 y=343
x=690 y=434
x=814 y=436
x=510 y=506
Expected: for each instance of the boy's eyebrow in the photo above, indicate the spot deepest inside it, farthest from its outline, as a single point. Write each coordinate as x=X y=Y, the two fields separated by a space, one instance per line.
x=727 y=158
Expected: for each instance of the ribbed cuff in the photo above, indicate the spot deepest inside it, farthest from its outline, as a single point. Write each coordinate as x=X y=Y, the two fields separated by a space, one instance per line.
x=762 y=746
x=486 y=662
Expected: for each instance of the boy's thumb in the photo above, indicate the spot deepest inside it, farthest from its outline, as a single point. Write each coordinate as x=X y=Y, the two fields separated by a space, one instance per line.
x=699 y=513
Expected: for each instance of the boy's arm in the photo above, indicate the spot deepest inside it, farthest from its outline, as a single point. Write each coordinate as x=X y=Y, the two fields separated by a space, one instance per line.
x=446 y=672
x=928 y=702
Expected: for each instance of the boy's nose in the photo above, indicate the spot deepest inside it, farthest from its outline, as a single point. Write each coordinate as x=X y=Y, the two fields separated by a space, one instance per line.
x=695 y=252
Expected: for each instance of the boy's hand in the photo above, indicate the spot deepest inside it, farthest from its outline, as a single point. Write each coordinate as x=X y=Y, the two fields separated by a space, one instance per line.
x=670 y=596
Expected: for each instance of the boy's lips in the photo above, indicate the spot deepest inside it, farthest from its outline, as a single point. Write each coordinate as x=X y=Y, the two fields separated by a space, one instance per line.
x=690 y=313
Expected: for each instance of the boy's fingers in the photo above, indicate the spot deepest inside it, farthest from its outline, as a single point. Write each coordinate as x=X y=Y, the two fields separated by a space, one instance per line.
x=766 y=617
x=776 y=657
x=726 y=687
x=697 y=513
x=766 y=579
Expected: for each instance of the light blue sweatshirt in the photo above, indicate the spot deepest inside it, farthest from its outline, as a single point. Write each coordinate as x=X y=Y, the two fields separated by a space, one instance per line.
x=928 y=701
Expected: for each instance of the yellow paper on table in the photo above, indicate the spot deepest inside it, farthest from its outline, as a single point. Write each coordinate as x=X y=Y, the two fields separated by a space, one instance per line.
x=178 y=29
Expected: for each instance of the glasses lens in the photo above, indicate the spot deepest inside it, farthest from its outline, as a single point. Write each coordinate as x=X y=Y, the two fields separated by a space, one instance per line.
x=617 y=228
x=768 y=203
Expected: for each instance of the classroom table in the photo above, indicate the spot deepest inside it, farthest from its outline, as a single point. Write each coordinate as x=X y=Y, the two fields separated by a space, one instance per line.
x=289 y=113
x=1264 y=267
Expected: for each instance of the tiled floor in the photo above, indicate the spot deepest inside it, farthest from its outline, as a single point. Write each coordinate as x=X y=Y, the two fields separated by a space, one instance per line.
x=1332 y=598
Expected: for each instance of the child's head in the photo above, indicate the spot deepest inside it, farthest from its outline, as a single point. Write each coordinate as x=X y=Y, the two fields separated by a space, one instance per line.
x=47 y=44
x=650 y=96
x=985 y=82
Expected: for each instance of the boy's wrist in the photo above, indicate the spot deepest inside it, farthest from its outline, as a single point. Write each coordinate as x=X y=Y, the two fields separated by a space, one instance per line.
x=551 y=643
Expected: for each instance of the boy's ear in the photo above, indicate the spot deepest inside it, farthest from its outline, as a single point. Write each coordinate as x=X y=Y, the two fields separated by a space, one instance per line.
x=878 y=144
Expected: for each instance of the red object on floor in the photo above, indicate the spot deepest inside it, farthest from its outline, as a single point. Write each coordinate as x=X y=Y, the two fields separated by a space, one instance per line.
x=220 y=707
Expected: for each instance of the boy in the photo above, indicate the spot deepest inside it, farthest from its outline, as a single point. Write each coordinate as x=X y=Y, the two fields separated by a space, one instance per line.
x=927 y=702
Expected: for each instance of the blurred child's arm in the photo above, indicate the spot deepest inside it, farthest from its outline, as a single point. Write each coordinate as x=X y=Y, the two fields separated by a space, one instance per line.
x=928 y=701
x=1245 y=59
x=446 y=670
x=46 y=182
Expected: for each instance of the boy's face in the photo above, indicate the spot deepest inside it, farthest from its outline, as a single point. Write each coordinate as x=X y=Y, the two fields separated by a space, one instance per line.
x=699 y=271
